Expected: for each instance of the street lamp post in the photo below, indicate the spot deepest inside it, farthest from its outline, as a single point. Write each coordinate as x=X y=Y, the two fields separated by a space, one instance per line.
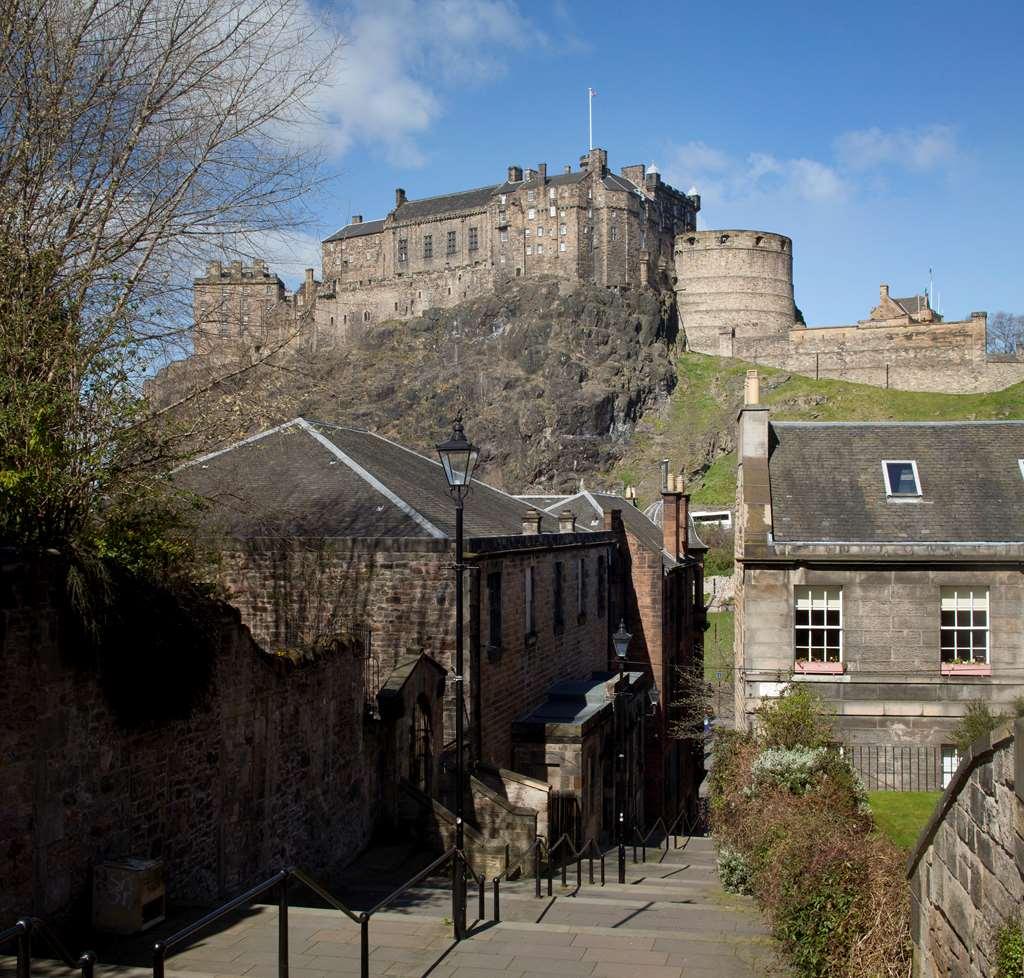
x=458 y=458
x=621 y=640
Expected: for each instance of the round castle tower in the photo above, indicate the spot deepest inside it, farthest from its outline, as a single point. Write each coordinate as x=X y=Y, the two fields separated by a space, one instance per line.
x=740 y=281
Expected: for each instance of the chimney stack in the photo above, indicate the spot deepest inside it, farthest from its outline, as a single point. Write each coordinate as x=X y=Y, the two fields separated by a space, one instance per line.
x=542 y=169
x=309 y=279
x=399 y=197
x=236 y=269
x=883 y=292
x=531 y=523
x=215 y=268
x=567 y=521
x=670 y=518
x=515 y=174
x=357 y=218
x=567 y=168
x=752 y=388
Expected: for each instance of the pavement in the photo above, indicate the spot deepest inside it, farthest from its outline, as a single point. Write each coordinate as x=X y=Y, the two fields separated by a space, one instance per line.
x=671 y=919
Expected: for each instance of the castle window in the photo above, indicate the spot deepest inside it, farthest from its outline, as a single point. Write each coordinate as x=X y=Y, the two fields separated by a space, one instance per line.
x=451 y=243
x=552 y=211
x=551 y=193
x=504 y=236
x=562 y=230
x=428 y=246
x=223 y=327
x=473 y=239
x=561 y=213
x=531 y=195
x=529 y=249
x=561 y=246
x=615 y=232
x=269 y=289
x=502 y=199
x=366 y=315
x=531 y=213
x=527 y=232
x=403 y=249
x=540 y=249
x=643 y=239
x=590 y=212
x=540 y=232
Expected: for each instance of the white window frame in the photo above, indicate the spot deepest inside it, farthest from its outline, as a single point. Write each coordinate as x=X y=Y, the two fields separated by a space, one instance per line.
x=531 y=213
x=957 y=592
x=551 y=193
x=540 y=230
x=552 y=211
x=540 y=249
x=561 y=246
x=888 y=487
x=828 y=590
x=950 y=762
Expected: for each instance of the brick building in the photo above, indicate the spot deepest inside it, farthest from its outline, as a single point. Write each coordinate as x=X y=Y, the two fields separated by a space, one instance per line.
x=657 y=590
x=881 y=562
x=581 y=225
x=324 y=533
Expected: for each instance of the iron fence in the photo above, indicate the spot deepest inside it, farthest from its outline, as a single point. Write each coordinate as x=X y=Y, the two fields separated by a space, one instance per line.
x=900 y=767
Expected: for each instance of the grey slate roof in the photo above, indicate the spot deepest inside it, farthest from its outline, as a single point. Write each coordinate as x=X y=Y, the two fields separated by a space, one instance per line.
x=913 y=304
x=357 y=230
x=429 y=206
x=575 y=701
x=311 y=479
x=827 y=482
x=613 y=181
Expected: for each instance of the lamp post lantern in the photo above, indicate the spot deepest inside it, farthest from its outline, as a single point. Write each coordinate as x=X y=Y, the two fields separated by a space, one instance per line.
x=620 y=641
x=458 y=458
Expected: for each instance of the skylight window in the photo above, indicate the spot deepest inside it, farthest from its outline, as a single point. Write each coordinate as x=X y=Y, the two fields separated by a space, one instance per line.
x=901 y=478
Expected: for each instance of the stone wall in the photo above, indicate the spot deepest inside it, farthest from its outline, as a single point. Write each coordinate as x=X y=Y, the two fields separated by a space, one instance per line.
x=269 y=769
x=967 y=870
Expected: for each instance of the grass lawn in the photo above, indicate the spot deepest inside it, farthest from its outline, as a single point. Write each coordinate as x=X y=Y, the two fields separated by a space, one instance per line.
x=902 y=814
x=718 y=647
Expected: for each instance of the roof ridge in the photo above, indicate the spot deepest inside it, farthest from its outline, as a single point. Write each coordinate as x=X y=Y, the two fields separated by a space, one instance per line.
x=238 y=444
x=372 y=480
x=454 y=193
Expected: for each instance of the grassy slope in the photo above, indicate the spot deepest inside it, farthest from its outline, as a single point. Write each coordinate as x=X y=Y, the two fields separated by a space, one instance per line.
x=697 y=428
x=902 y=815
x=718 y=641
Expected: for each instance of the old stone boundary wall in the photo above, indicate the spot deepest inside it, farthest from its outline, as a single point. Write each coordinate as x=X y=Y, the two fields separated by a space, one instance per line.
x=967 y=870
x=943 y=357
x=267 y=771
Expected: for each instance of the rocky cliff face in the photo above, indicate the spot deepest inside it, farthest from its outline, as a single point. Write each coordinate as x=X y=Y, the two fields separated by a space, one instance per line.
x=553 y=382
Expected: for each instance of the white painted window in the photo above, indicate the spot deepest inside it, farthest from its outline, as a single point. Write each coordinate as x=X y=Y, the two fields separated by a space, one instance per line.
x=502 y=259
x=561 y=246
x=562 y=229
x=529 y=249
x=527 y=232
x=502 y=199
x=531 y=213
x=950 y=762
x=504 y=236
x=552 y=211
x=540 y=231
x=551 y=193
x=818 y=624
x=540 y=249
x=531 y=195
x=901 y=477
x=964 y=624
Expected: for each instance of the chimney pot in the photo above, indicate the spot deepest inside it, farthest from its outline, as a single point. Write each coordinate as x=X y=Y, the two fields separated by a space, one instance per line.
x=567 y=521
x=752 y=388
x=531 y=523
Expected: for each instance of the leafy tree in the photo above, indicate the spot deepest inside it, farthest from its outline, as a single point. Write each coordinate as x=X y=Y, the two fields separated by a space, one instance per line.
x=795 y=719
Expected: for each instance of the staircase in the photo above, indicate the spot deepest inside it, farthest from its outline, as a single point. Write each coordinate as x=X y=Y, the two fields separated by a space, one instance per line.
x=671 y=919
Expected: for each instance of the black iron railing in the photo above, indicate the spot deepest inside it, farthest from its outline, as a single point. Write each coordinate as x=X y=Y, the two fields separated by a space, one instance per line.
x=23 y=934
x=670 y=837
x=900 y=767
x=280 y=882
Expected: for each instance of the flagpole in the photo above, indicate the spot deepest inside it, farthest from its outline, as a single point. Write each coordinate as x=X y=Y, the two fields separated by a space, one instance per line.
x=590 y=113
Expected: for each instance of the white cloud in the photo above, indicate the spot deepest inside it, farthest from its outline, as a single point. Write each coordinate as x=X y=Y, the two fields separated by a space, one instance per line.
x=400 y=60
x=925 y=148
x=723 y=178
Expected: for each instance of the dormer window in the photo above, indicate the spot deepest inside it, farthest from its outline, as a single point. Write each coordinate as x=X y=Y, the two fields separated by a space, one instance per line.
x=901 y=478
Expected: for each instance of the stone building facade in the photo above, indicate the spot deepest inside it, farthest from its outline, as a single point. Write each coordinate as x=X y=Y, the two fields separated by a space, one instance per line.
x=580 y=225
x=734 y=293
x=888 y=578
x=967 y=869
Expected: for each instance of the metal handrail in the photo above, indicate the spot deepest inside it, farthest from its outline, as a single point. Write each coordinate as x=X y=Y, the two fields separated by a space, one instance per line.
x=22 y=932
x=280 y=880
x=641 y=839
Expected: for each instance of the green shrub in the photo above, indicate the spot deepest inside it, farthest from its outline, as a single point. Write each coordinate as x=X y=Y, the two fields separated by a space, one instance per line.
x=733 y=870
x=793 y=769
x=976 y=723
x=1010 y=950
x=795 y=719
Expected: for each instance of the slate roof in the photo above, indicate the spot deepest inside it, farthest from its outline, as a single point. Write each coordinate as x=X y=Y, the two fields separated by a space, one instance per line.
x=414 y=210
x=312 y=479
x=357 y=230
x=589 y=508
x=827 y=483
x=913 y=304
x=574 y=701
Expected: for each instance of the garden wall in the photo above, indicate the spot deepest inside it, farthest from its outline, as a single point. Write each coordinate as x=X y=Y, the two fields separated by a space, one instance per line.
x=967 y=871
x=266 y=770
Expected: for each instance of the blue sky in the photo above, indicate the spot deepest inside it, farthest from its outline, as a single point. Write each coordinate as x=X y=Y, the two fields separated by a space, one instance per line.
x=884 y=138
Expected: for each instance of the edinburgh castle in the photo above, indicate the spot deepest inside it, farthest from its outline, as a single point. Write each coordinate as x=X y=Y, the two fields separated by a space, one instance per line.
x=631 y=230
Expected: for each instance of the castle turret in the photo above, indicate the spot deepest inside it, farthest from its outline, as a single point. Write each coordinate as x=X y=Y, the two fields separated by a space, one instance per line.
x=740 y=282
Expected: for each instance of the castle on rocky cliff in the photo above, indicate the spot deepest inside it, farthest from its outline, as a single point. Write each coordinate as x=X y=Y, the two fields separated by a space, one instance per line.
x=581 y=225
x=630 y=230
